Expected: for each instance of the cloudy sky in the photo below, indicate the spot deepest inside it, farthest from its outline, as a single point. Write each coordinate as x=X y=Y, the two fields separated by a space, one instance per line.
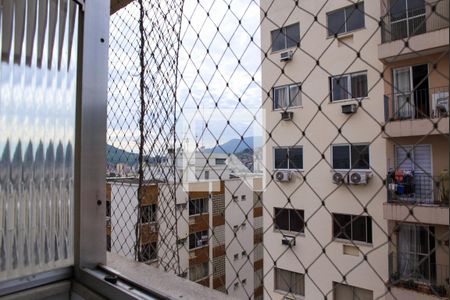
x=212 y=75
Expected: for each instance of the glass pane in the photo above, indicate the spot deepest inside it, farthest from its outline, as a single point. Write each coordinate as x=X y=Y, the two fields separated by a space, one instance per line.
x=282 y=280
x=416 y=7
x=341 y=157
x=417 y=25
x=282 y=218
x=296 y=220
x=397 y=9
x=359 y=228
x=281 y=158
x=362 y=294
x=360 y=157
x=294 y=95
x=340 y=88
x=280 y=96
x=342 y=226
x=355 y=16
x=296 y=158
x=336 y=22
x=278 y=40
x=359 y=86
x=37 y=124
x=293 y=35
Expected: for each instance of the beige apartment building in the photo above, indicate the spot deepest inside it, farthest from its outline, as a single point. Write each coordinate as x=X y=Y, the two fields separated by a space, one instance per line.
x=356 y=110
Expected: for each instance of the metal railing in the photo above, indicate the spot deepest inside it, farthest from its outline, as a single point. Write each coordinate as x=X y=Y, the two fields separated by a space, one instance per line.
x=418 y=104
x=410 y=22
x=419 y=189
x=417 y=272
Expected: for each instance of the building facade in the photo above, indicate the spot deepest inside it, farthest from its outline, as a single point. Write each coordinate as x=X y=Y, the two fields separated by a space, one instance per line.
x=357 y=156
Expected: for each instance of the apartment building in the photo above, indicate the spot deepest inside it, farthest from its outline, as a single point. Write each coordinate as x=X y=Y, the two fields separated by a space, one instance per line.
x=216 y=223
x=350 y=114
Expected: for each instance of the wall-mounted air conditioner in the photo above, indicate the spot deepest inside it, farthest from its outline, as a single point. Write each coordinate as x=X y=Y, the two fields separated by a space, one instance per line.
x=283 y=176
x=286 y=56
x=288 y=240
x=349 y=108
x=440 y=105
x=340 y=177
x=287 y=115
x=358 y=177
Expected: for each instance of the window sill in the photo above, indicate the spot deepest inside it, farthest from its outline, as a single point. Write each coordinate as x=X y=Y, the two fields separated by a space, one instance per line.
x=345 y=34
x=353 y=243
x=286 y=108
x=290 y=233
x=352 y=100
x=160 y=282
x=283 y=50
x=291 y=170
x=197 y=248
x=289 y=295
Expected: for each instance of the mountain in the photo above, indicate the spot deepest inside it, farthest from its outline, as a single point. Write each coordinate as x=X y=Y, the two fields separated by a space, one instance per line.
x=115 y=156
x=237 y=145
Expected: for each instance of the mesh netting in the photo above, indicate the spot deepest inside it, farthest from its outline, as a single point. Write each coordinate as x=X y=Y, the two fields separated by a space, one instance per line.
x=282 y=148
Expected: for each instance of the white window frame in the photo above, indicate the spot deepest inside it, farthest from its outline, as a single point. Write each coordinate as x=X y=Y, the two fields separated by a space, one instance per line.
x=288 y=169
x=349 y=86
x=288 y=106
x=345 y=18
x=408 y=18
x=275 y=285
x=283 y=29
x=350 y=157
x=289 y=221
x=206 y=199
x=351 y=229
x=198 y=247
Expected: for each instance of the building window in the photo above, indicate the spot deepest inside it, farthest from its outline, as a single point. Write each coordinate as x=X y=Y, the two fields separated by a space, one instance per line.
x=407 y=18
x=148 y=213
x=349 y=86
x=346 y=19
x=286 y=37
x=243 y=197
x=289 y=158
x=352 y=227
x=290 y=282
x=198 y=206
x=349 y=292
x=206 y=175
x=416 y=252
x=346 y=157
x=221 y=161
x=148 y=252
x=108 y=209
x=198 y=239
x=287 y=96
x=197 y=272
x=108 y=243
x=289 y=219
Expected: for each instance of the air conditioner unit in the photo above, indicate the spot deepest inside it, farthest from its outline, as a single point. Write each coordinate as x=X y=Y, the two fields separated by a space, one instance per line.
x=349 y=108
x=440 y=104
x=340 y=177
x=288 y=240
x=286 y=56
x=358 y=177
x=283 y=176
x=287 y=115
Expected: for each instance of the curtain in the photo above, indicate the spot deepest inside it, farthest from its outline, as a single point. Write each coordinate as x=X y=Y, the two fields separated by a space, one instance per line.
x=402 y=93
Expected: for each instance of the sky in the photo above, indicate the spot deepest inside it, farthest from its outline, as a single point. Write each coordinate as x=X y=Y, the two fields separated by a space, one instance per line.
x=212 y=76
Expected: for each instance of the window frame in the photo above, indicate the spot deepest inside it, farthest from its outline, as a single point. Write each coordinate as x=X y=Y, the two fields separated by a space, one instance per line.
x=151 y=245
x=291 y=274
x=349 y=86
x=344 y=9
x=288 y=160
x=283 y=29
x=223 y=161
x=153 y=213
x=288 y=87
x=197 y=213
x=353 y=218
x=350 y=156
x=196 y=267
x=406 y=19
x=195 y=234
x=289 y=231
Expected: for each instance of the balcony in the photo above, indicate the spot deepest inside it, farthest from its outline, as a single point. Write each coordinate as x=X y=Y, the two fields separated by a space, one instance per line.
x=423 y=200
x=422 y=112
x=425 y=27
x=416 y=273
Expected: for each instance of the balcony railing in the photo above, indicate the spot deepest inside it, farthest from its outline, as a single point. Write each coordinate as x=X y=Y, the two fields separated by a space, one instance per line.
x=417 y=272
x=410 y=22
x=419 y=104
x=418 y=189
